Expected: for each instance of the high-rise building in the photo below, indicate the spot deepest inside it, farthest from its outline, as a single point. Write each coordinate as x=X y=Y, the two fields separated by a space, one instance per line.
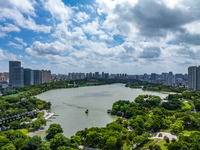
x=46 y=76
x=170 y=81
x=192 y=77
x=28 y=76
x=170 y=74
x=103 y=75
x=37 y=76
x=96 y=75
x=106 y=75
x=16 y=74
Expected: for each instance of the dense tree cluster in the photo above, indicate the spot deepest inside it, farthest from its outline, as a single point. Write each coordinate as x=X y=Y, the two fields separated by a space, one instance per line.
x=162 y=88
x=111 y=137
x=10 y=106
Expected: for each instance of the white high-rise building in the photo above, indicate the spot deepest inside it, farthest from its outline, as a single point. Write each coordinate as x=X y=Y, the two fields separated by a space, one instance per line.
x=46 y=76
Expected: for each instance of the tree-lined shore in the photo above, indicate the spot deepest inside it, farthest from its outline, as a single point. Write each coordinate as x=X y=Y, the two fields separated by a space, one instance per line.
x=143 y=123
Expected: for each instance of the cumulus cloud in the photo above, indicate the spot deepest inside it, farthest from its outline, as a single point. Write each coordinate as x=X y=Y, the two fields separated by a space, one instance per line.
x=17 y=46
x=24 y=6
x=15 y=11
x=5 y=55
x=21 y=41
x=151 y=52
x=46 y=49
x=81 y=17
x=9 y=28
x=58 y=9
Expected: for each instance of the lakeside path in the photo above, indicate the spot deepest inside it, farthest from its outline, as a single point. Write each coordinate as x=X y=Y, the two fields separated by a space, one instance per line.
x=46 y=116
x=169 y=135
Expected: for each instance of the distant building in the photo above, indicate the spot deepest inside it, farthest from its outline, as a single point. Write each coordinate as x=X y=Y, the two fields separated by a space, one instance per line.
x=37 y=76
x=96 y=75
x=192 y=77
x=46 y=76
x=28 y=76
x=4 y=76
x=106 y=75
x=76 y=76
x=16 y=74
x=170 y=81
x=170 y=74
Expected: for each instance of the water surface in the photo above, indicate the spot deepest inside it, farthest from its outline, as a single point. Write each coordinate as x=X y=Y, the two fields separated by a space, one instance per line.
x=71 y=104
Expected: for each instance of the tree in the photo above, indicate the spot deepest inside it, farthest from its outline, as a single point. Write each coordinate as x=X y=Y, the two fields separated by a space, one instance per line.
x=178 y=145
x=15 y=125
x=166 y=139
x=38 y=123
x=114 y=126
x=45 y=145
x=139 y=131
x=177 y=127
x=33 y=143
x=53 y=130
x=157 y=147
x=59 y=140
x=64 y=148
x=8 y=147
x=75 y=141
x=111 y=143
x=40 y=114
x=93 y=138
x=4 y=140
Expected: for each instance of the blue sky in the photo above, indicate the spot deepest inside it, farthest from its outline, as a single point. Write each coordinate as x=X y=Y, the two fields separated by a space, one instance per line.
x=115 y=36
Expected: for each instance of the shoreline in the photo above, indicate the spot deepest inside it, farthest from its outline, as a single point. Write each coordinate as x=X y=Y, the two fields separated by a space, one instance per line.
x=46 y=116
x=164 y=92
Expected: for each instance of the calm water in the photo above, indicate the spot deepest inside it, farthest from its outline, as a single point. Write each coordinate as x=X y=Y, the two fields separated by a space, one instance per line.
x=71 y=104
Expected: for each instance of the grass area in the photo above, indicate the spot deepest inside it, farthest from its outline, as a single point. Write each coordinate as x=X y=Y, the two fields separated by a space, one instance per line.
x=187 y=132
x=162 y=144
x=12 y=95
x=146 y=145
x=187 y=106
x=25 y=131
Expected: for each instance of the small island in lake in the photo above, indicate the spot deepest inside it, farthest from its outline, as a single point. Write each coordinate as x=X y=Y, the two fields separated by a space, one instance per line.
x=86 y=111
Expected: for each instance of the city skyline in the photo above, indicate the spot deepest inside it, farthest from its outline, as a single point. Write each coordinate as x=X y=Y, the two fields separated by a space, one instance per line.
x=89 y=36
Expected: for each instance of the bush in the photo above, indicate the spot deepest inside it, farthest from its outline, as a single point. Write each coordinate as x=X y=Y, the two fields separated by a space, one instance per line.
x=166 y=139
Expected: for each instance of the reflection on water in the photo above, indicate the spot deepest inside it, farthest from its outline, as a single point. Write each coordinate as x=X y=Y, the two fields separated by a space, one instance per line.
x=71 y=104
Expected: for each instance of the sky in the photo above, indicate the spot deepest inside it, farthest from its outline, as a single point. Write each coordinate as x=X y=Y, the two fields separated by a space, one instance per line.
x=114 y=36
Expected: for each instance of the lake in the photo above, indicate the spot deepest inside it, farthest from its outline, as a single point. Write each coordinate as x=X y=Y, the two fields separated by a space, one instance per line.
x=70 y=105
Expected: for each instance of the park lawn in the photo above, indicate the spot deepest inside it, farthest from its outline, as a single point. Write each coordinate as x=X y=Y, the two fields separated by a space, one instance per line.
x=25 y=131
x=162 y=144
x=147 y=144
x=12 y=95
x=187 y=132
x=187 y=106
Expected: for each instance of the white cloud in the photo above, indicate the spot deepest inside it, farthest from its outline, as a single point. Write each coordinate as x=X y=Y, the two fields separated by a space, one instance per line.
x=46 y=49
x=93 y=27
x=17 y=46
x=193 y=27
x=81 y=17
x=58 y=9
x=14 y=11
x=21 y=41
x=5 y=55
x=24 y=6
x=2 y=34
x=9 y=28
x=67 y=35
